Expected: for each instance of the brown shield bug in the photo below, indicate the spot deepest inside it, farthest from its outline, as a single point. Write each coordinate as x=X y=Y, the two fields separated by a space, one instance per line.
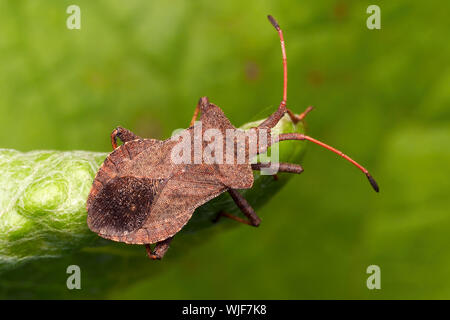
x=140 y=195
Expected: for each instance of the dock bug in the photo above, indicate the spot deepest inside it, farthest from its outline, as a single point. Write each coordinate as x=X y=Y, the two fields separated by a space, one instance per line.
x=141 y=196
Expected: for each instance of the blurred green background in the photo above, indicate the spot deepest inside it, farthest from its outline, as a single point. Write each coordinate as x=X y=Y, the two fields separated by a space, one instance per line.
x=381 y=96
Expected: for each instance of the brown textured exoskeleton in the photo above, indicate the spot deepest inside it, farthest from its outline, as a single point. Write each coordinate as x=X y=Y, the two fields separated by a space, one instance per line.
x=141 y=196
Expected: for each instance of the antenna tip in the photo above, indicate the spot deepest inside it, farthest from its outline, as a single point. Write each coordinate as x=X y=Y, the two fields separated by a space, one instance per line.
x=273 y=22
x=373 y=183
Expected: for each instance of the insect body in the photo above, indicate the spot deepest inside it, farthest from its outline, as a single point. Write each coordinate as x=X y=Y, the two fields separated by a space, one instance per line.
x=140 y=195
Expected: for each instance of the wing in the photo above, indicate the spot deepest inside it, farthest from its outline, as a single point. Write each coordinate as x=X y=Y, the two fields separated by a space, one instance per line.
x=117 y=162
x=122 y=205
x=120 y=199
x=142 y=197
x=175 y=204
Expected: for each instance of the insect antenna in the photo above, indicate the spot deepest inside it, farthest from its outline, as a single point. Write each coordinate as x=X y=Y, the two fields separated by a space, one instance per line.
x=272 y=120
x=283 y=51
x=299 y=136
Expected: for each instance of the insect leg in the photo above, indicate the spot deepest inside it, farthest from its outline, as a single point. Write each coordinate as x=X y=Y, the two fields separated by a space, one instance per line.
x=282 y=167
x=245 y=207
x=160 y=249
x=296 y=118
x=202 y=105
x=196 y=112
x=123 y=134
x=232 y=217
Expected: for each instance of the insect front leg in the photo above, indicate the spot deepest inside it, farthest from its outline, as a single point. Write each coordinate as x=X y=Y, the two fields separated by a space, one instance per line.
x=160 y=249
x=296 y=118
x=196 y=112
x=247 y=210
x=123 y=134
x=282 y=167
x=202 y=104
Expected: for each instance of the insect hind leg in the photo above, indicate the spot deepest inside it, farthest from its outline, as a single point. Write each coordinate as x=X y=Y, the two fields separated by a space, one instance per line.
x=123 y=134
x=160 y=249
x=253 y=219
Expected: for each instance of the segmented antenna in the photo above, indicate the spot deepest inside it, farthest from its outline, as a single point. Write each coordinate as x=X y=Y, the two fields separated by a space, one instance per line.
x=299 y=136
x=283 y=52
